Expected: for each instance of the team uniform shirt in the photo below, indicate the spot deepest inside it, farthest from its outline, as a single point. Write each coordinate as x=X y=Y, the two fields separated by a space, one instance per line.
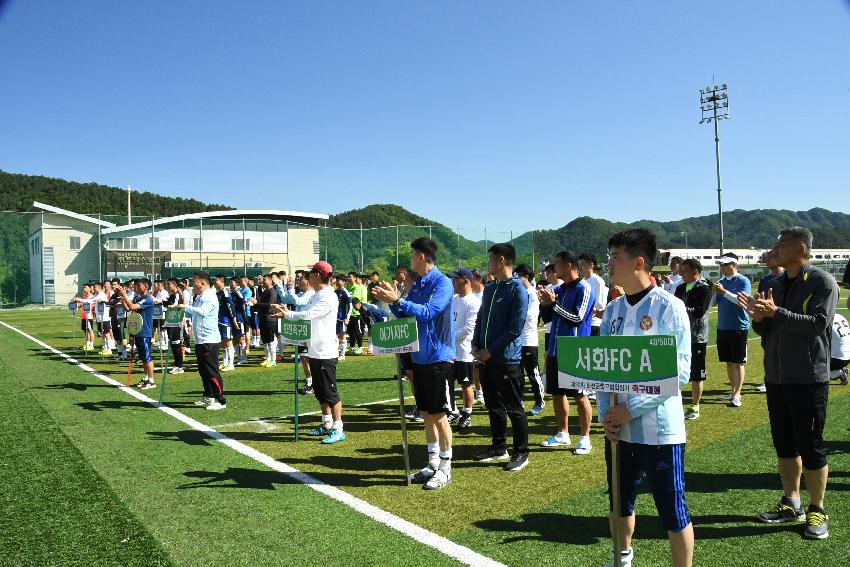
x=840 y=338
x=374 y=313
x=101 y=307
x=86 y=309
x=675 y=280
x=298 y=299
x=658 y=420
x=572 y=312
x=146 y=311
x=188 y=299
x=247 y=294
x=162 y=297
x=547 y=327
x=530 y=337
x=239 y=305
x=600 y=292
x=203 y=314
x=730 y=317
x=321 y=311
x=465 y=310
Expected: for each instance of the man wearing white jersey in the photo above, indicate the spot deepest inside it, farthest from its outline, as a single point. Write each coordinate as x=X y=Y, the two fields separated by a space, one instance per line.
x=530 y=361
x=465 y=306
x=477 y=286
x=649 y=429
x=674 y=279
x=587 y=269
x=840 y=356
x=322 y=349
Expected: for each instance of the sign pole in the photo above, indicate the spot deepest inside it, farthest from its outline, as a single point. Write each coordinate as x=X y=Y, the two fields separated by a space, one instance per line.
x=296 y=391
x=130 y=367
x=404 y=449
x=73 y=328
x=164 y=374
x=615 y=493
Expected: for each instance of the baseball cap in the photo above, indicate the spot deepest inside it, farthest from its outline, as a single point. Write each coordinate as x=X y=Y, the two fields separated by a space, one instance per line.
x=461 y=273
x=322 y=268
x=728 y=258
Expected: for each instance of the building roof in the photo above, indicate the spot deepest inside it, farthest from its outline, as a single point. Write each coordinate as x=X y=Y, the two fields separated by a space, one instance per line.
x=51 y=209
x=235 y=213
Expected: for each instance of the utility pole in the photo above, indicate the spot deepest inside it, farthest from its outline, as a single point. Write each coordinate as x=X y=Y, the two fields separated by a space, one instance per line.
x=711 y=100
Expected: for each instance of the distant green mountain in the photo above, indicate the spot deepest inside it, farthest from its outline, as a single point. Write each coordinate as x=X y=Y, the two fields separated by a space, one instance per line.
x=742 y=229
x=18 y=191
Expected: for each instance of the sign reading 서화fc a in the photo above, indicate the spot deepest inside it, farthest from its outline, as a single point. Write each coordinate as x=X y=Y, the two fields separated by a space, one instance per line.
x=395 y=337
x=627 y=365
x=294 y=332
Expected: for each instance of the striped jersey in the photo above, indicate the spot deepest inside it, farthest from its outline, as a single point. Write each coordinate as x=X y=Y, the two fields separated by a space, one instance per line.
x=657 y=420
x=572 y=312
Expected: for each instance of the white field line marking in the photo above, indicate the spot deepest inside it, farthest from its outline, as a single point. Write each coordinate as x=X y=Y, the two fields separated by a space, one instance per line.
x=417 y=533
x=271 y=427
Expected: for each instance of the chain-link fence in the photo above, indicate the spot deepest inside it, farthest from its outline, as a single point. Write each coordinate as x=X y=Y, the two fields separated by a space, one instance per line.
x=45 y=257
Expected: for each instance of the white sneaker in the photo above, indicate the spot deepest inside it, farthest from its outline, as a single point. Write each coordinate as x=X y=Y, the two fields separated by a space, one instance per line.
x=735 y=402
x=441 y=479
x=149 y=384
x=584 y=447
x=214 y=405
x=203 y=402
x=228 y=368
x=557 y=441
x=176 y=370
x=761 y=388
x=625 y=558
x=725 y=397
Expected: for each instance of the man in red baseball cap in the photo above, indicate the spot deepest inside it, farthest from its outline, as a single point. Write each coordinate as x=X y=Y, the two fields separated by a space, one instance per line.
x=322 y=349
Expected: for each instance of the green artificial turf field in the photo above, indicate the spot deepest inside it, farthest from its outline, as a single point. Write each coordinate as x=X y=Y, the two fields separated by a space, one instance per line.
x=94 y=476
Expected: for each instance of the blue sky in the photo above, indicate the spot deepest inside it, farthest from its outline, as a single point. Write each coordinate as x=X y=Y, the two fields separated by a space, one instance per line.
x=505 y=115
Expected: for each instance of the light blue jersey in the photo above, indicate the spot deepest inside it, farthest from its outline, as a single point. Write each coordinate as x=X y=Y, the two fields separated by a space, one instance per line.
x=658 y=420
x=730 y=317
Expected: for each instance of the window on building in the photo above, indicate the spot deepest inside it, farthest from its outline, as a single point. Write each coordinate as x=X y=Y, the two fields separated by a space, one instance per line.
x=131 y=244
x=240 y=245
x=179 y=243
x=74 y=242
x=196 y=244
x=155 y=243
x=116 y=244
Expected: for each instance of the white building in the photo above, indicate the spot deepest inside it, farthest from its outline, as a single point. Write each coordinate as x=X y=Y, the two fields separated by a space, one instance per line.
x=68 y=249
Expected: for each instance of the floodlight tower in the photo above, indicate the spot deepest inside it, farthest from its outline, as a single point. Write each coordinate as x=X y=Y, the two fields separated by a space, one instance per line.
x=711 y=100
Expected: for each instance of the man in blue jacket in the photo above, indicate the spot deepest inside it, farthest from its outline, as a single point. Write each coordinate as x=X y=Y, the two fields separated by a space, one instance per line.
x=429 y=301
x=497 y=346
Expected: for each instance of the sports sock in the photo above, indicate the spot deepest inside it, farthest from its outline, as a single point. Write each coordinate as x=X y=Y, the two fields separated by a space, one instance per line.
x=337 y=425
x=230 y=359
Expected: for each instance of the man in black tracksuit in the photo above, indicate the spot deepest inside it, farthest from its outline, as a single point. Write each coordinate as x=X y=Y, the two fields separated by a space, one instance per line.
x=795 y=320
x=497 y=346
x=696 y=294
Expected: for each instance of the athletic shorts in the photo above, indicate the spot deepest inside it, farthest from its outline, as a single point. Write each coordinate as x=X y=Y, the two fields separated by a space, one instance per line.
x=664 y=468
x=837 y=364
x=431 y=386
x=552 y=386
x=226 y=331
x=732 y=346
x=340 y=327
x=157 y=323
x=594 y=331
x=143 y=348
x=255 y=321
x=301 y=349
x=323 y=371
x=462 y=372
x=698 y=362
x=240 y=327
x=104 y=327
x=85 y=325
x=797 y=414
x=175 y=335
x=117 y=330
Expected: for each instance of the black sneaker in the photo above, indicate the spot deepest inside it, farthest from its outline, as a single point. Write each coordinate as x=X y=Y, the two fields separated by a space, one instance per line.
x=306 y=390
x=452 y=417
x=783 y=512
x=816 y=523
x=417 y=416
x=517 y=462
x=465 y=420
x=411 y=413
x=492 y=454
